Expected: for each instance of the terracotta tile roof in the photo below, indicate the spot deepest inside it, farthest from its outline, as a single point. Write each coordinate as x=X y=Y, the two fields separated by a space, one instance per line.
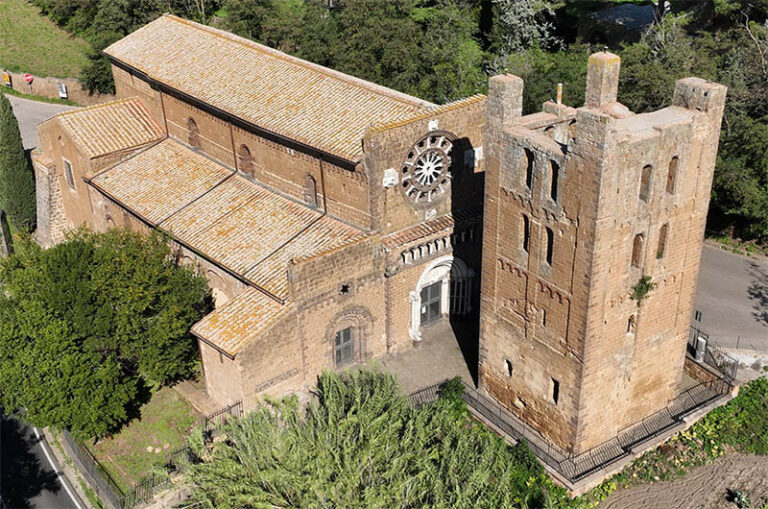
x=241 y=320
x=250 y=230
x=293 y=98
x=256 y=232
x=160 y=180
x=110 y=127
x=468 y=215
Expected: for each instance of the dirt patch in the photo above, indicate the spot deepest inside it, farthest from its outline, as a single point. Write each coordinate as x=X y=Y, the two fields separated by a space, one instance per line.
x=702 y=488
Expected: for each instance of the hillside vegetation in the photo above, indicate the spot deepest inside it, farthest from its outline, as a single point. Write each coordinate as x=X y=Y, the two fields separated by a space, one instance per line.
x=30 y=42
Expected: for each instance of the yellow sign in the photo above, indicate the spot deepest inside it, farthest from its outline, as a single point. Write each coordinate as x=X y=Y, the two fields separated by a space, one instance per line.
x=7 y=79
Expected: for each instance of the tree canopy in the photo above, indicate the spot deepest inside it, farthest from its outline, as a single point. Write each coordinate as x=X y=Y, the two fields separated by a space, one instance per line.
x=17 y=183
x=360 y=443
x=88 y=325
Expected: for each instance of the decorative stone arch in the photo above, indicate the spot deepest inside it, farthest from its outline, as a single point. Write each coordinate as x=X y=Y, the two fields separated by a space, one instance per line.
x=455 y=280
x=360 y=320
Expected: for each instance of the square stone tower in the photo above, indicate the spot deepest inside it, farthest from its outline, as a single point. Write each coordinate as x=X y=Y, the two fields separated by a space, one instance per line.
x=580 y=204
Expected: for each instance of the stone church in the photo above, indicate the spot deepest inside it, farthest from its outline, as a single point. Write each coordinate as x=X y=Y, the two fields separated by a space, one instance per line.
x=336 y=219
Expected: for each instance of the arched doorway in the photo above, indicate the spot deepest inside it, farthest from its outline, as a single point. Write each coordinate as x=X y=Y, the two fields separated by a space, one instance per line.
x=444 y=290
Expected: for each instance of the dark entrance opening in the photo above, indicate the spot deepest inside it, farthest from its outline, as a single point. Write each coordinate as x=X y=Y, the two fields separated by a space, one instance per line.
x=430 y=302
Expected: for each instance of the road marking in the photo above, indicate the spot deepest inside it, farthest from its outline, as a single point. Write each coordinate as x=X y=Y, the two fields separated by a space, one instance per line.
x=53 y=466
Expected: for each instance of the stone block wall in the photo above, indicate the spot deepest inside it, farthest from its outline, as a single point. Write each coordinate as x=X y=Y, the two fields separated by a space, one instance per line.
x=562 y=344
x=387 y=146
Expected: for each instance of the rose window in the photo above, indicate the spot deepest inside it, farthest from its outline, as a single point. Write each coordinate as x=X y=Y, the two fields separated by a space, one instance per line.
x=425 y=176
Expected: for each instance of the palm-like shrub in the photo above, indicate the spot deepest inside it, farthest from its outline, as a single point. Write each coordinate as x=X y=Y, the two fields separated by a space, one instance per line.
x=360 y=443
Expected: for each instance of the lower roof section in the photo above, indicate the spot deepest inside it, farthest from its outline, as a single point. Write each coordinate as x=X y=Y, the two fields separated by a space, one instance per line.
x=249 y=230
x=241 y=321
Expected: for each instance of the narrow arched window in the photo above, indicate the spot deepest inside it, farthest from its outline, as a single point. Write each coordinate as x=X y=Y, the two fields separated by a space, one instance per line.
x=194 y=132
x=310 y=191
x=528 y=167
x=550 y=245
x=554 y=177
x=662 y=247
x=245 y=161
x=526 y=232
x=637 y=250
x=672 y=175
x=645 y=183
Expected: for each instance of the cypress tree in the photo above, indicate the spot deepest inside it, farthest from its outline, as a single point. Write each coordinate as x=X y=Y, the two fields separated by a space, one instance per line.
x=17 y=184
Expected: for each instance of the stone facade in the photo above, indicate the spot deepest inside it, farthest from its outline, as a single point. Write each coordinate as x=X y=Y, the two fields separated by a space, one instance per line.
x=579 y=205
x=540 y=212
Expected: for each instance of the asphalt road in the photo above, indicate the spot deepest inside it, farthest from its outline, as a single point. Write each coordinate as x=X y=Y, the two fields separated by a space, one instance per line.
x=732 y=292
x=27 y=478
x=30 y=113
x=732 y=296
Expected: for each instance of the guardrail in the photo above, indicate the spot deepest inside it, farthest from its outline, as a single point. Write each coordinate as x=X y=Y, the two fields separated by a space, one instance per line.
x=577 y=467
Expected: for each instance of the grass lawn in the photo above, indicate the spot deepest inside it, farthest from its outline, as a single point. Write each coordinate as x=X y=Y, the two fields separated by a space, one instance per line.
x=30 y=42
x=142 y=444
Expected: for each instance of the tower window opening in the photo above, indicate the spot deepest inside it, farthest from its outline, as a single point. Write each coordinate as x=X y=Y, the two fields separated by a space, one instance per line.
x=672 y=175
x=554 y=175
x=555 y=387
x=645 y=183
x=526 y=232
x=550 y=245
x=528 y=160
x=637 y=250
x=662 y=247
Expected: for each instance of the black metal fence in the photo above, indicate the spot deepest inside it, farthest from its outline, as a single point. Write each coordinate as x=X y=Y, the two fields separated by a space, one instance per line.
x=714 y=355
x=235 y=410
x=98 y=478
x=108 y=490
x=577 y=467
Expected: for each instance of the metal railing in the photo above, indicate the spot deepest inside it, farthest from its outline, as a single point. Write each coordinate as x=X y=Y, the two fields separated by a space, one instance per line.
x=714 y=354
x=577 y=467
x=235 y=410
x=98 y=478
x=108 y=490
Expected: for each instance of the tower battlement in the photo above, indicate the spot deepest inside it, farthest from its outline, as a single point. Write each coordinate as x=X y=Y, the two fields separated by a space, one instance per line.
x=580 y=204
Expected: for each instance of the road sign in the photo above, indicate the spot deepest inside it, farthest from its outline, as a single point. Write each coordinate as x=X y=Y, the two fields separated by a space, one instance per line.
x=62 y=87
x=7 y=80
x=28 y=78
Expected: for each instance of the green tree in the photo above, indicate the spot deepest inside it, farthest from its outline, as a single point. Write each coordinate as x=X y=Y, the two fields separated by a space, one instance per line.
x=88 y=325
x=17 y=184
x=360 y=443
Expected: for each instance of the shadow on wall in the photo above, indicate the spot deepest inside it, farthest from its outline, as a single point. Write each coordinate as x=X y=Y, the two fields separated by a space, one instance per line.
x=22 y=477
x=467 y=190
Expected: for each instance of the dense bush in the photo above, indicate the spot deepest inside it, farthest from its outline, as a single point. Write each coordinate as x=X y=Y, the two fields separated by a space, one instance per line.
x=360 y=443
x=88 y=325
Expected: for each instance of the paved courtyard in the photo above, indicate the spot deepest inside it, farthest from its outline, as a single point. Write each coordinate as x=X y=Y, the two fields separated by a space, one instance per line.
x=437 y=357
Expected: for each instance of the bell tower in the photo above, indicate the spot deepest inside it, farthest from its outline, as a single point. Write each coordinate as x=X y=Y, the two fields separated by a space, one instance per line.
x=582 y=205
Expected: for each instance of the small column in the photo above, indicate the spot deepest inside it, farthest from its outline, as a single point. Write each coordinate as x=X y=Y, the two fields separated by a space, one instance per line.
x=602 y=79
x=414 y=331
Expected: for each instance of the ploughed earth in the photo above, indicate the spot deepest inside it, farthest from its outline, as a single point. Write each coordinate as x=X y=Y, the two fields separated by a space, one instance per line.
x=703 y=487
